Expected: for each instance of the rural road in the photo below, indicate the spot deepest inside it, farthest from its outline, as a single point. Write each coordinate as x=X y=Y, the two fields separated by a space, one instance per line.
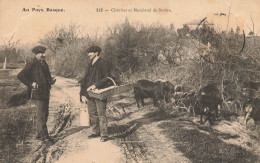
x=138 y=135
x=71 y=139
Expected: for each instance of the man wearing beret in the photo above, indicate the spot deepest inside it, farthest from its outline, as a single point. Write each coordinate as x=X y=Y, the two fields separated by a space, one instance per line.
x=95 y=77
x=37 y=77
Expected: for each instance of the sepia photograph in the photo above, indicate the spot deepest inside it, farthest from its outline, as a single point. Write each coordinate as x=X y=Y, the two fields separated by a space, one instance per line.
x=116 y=81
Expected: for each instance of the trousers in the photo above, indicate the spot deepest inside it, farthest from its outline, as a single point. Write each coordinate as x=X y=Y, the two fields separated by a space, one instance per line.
x=97 y=116
x=42 y=117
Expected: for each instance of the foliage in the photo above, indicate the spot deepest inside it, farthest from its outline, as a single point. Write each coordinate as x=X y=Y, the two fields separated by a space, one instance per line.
x=195 y=56
x=207 y=55
x=224 y=62
x=132 y=47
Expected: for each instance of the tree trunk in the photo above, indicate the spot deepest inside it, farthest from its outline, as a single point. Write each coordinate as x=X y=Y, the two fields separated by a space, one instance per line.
x=4 y=66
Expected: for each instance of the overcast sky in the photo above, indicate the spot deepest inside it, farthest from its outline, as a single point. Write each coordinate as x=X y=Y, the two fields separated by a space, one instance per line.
x=29 y=26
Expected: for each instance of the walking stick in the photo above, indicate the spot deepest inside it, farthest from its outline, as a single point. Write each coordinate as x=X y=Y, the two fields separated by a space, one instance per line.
x=31 y=102
x=31 y=97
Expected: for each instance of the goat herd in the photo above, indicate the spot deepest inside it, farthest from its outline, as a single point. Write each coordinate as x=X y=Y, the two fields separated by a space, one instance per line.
x=204 y=102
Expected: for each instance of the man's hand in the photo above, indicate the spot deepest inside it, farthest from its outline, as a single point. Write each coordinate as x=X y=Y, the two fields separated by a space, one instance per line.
x=34 y=85
x=91 y=88
x=53 y=80
x=83 y=99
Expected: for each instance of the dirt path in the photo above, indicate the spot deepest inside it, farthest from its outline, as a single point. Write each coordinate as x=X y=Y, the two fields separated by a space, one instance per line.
x=139 y=135
x=71 y=141
x=181 y=138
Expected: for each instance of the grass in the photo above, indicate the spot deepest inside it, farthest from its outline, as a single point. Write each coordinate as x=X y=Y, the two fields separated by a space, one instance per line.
x=16 y=123
x=9 y=86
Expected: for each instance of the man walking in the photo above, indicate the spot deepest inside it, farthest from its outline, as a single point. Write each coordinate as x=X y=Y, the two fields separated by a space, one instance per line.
x=95 y=77
x=37 y=77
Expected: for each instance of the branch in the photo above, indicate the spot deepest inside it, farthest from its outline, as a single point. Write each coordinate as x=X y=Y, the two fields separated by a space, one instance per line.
x=243 y=42
x=249 y=28
x=253 y=29
x=10 y=40
x=201 y=22
x=8 y=47
x=207 y=60
x=228 y=17
x=253 y=25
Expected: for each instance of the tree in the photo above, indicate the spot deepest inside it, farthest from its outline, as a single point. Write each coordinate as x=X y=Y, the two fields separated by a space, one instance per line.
x=8 y=49
x=68 y=49
x=60 y=36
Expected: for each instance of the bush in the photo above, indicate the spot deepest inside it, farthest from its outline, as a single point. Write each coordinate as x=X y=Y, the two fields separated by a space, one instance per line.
x=191 y=58
x=131 y=47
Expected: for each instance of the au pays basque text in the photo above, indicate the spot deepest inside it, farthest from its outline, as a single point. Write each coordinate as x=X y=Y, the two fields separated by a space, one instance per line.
x=42 y=10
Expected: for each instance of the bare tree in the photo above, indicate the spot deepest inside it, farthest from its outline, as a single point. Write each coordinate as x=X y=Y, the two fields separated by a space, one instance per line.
x=67 y=44
x=8 y=47
x=60 y=36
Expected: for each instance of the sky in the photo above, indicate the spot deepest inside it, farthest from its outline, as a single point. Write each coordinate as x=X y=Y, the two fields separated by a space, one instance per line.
x=30 y=26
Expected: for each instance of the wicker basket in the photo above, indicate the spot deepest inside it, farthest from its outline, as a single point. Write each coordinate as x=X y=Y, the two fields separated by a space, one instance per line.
x=102 y=94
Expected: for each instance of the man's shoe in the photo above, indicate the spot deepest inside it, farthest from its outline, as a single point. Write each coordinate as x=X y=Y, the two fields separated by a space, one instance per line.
x=48 y=141
x=93 y=135
x=104 y=138
x=38 y=137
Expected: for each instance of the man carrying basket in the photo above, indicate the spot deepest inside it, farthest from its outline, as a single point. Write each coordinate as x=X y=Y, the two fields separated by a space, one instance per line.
x=96 y=77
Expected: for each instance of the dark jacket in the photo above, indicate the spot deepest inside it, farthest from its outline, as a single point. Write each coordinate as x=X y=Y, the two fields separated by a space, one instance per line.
x=96 y=74
x=38 y=72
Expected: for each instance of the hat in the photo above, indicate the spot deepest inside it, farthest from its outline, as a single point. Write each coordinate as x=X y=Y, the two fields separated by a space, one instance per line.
x=94 y=49
x=39 y=49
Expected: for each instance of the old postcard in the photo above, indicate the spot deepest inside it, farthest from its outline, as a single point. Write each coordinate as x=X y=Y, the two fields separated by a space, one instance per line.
x=129 y=81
